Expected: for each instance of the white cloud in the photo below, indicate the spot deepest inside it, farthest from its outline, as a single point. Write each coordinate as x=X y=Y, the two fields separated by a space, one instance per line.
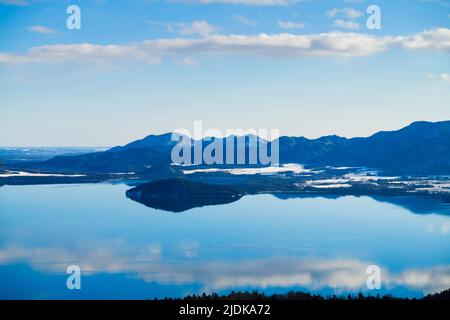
x=245 y=21
x=15 y=2
x=187 y=28
x=352 y=13
x=332 y=12
x=196 y=27
x=187 y=62
x=42 y=30
x=244 y=2
x=348 y=13
x=290 y=25
x=79 y=52
x=336 y=44
x=437 y=39
x=349 y=25
x=446 y=78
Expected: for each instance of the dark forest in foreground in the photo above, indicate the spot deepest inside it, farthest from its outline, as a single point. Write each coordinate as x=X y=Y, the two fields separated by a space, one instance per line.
x=303 y=296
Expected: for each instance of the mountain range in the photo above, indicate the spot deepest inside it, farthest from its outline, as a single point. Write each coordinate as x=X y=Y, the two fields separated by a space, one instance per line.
x=422 y=148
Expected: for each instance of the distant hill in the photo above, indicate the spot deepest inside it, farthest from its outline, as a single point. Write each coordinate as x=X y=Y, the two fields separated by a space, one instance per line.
x=114 y=160
x=421 y=148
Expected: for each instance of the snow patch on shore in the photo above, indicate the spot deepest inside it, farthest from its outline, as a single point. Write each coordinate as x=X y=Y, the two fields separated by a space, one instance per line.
x=292 y=167
x=31 y=174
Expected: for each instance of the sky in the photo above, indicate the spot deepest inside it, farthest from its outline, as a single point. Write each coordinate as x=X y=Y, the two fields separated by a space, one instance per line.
x=306 y=67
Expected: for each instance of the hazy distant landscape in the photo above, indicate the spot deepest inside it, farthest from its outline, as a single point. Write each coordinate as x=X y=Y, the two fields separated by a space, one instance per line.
x=413 y=161
x=318 y=203
x=224 y=149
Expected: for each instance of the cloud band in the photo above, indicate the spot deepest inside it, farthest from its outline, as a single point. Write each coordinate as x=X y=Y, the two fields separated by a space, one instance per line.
x=331 y=44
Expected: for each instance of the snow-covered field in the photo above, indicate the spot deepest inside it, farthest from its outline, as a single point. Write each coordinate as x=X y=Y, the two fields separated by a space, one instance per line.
x=31 y=174
x=294 y=168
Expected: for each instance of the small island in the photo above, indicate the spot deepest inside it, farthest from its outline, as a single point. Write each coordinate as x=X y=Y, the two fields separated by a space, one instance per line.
x=177 y=194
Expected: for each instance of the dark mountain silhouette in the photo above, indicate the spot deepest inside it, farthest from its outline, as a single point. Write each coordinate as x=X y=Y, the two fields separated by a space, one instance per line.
x=114 y=160
x=308 y=151
x=151 y=155
x=422 y=148
x=162 y=143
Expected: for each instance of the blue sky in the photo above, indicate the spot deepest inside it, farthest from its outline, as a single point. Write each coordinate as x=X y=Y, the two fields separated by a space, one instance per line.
x=308 y=68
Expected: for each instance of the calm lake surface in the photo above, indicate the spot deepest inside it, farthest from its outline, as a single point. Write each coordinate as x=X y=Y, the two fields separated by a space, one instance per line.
x=272 y=244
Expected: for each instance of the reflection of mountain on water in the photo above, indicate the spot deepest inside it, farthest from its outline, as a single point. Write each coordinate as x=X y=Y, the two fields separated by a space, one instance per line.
x=415 y=204
x=421 y=205
x=177 y=195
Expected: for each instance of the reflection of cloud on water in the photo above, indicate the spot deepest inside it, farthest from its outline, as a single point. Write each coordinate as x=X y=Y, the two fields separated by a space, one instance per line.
x=428 y=280
x=188 y=248
x=118 y=258
x=285 y=272
x=313 y=274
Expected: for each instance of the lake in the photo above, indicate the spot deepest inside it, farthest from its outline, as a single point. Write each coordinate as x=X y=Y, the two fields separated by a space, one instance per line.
x=273 y=244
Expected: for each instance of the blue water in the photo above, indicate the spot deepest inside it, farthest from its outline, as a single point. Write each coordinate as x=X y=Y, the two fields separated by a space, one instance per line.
x=127 y=250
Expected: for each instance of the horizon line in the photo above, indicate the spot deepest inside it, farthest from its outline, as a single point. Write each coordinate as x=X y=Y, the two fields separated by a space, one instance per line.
x=173 y=131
